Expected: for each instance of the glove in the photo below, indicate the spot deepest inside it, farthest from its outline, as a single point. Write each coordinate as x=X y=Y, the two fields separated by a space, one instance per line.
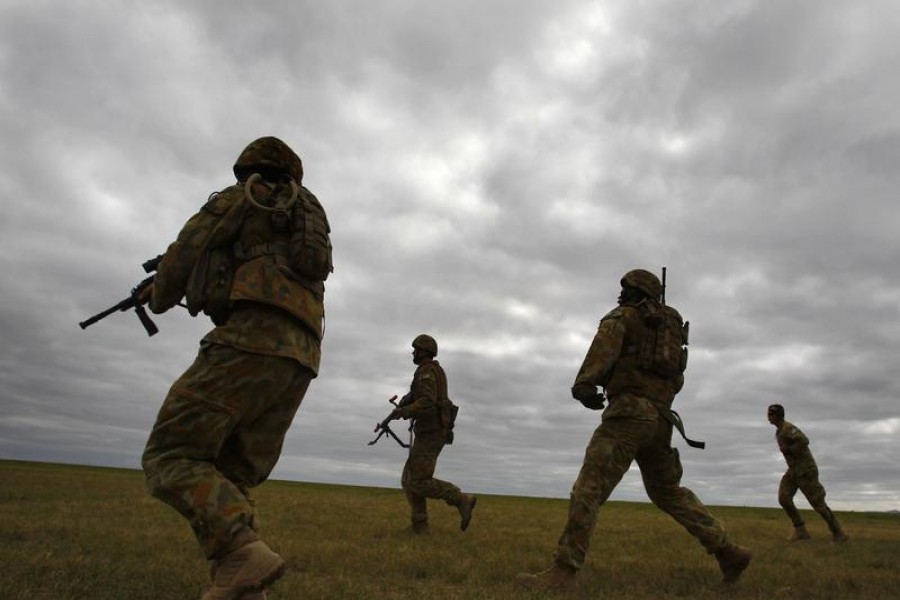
x=589 y=396
x=583 y=391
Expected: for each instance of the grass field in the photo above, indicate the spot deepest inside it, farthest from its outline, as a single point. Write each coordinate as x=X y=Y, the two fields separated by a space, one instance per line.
x=77 y=533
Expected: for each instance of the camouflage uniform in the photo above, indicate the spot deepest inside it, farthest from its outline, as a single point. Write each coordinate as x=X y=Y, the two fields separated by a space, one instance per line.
x=221 y=427
x=803 y=474
x=637 y=426
x=427 y=391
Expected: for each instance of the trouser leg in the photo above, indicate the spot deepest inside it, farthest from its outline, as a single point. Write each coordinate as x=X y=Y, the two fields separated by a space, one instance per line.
x=418 y=505
x=661 y=472
x=418 y=479
x=815 y=493
x=786 y=491
x=833 y=525
x=218 y=433
x=609 y=453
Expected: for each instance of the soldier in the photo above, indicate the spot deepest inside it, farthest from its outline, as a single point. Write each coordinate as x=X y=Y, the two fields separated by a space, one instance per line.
x=429 y=406
x=641 y=375
x=221 y=427
x=803 y=474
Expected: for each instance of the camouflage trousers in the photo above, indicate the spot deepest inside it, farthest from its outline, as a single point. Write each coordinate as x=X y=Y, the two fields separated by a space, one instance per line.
x=418 y=479
x=806 y=479
x=615 y=444
x=219 y=433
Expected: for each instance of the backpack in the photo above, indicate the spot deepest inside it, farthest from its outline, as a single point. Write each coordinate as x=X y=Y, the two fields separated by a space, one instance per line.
x=308 y=254
x=664 y=342
x=302 y=234
x=310 y=246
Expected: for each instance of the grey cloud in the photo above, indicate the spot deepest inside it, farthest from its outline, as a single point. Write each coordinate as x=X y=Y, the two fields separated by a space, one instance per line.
x=490 y=171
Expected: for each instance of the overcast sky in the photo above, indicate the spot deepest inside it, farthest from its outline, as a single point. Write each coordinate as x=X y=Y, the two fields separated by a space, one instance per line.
x=490 y=169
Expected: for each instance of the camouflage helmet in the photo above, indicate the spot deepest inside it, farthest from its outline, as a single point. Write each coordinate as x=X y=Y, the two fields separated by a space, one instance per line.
x=644 y=281
x=271 y=155
x=425 y=342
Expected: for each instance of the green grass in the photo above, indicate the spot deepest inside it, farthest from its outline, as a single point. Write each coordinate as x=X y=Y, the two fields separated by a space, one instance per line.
x=71 y=532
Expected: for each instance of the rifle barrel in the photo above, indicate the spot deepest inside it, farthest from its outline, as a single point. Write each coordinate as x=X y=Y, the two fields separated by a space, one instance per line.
x=121 y=306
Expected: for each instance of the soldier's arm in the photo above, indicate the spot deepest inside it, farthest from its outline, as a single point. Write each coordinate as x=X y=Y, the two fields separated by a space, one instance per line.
x=406 y=400
x=424 y=395
x=175 y=268
x=603 y=353
x=794 y=438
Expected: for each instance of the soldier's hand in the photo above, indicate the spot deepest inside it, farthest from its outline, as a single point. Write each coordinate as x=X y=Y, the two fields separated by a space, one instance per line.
x=145 y=294
x=589 y=396
x=583 y=391
x=596 y=403
x=394 y=415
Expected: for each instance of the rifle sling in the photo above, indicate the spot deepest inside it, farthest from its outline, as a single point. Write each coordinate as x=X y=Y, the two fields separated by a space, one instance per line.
x=675 y=419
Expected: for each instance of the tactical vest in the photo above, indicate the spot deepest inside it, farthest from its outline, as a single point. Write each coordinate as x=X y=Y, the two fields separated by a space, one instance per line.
x=441 y=417
x=653 y=355
x=297 y=231
x=274 y=248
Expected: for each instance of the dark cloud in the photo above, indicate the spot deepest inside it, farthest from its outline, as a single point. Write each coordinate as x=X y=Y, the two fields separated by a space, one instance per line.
x=490 y=170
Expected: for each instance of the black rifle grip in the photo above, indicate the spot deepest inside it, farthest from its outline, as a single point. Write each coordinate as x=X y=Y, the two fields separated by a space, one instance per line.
x=148 y=324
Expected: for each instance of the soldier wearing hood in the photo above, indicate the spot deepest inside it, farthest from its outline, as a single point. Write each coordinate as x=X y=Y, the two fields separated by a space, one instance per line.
x=254 y=258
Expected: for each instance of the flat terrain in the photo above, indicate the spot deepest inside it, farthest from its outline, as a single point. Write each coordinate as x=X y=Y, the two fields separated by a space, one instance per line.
x=78 y=533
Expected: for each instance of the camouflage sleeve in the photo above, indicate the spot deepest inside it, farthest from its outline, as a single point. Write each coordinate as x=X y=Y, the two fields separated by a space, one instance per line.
x=604 y=351
x=424 y=393
x=176 y=265
x=794 y=438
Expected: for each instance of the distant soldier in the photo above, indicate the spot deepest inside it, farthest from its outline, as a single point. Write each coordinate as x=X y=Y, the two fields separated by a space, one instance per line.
x=638 y=356
x=254 y=258
x=432 y=412
x=803 y=474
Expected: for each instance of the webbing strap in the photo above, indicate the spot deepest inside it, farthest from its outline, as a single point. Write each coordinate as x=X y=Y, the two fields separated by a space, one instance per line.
x=673 y=417
x=276 y=248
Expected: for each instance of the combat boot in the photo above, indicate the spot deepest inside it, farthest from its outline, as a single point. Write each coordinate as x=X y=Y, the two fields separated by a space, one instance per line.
x=420 y=528
x=837 y=534
x=558 y=578
x=800 y=533
x=261 y=595
x=245 y=571
x=465 y=507
x=733 y=560
x=213 y=567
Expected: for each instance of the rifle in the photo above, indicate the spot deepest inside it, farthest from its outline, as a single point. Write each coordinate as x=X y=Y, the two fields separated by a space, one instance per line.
x=384 y=426
x=662 y=300
x=668 y=414
x=132 y=301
